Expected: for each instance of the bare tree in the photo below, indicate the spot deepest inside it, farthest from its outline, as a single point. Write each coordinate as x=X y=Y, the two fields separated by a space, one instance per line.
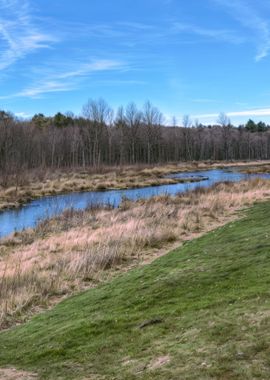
x=121 y=127
x=133 y=118
x=98 y=113
x=134 y=136
x=225 y=123
x=187 y=123
x=152 y=119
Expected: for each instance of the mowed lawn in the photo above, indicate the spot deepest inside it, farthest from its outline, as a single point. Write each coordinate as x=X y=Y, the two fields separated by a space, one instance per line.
x=200 y=312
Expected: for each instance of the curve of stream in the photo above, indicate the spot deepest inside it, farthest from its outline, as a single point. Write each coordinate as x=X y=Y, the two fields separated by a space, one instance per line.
x=37 y=210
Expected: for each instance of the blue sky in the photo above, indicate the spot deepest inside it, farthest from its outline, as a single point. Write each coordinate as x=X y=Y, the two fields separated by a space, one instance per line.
x=196 y=57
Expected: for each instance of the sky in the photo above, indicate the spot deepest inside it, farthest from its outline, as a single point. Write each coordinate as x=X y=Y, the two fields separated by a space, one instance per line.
x=195 y=57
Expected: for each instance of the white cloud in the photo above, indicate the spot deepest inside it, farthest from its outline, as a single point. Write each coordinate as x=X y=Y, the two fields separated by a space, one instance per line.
x=258 y=112
x=23 y=115
x=252 y=20
x=68 y=80
x=94 y=66
x=43 y=88
x=254 y=112
x=204 y=100
x=18 y=35
x=216 y=34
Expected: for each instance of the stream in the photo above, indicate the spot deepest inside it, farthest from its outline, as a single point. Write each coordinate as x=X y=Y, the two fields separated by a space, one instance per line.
x=37 y=210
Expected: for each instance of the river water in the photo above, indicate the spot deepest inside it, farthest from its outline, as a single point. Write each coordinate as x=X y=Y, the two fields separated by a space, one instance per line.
x=37 y=210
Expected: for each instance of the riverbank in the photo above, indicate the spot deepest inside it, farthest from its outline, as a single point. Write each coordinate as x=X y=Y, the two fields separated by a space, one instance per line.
x=256 y=169
x=199 y=312
x=26 y=186
x=80 y=249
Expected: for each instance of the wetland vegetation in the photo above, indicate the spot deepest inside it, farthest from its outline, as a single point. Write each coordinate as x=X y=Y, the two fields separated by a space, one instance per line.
x=100 y=278
x=199 y=312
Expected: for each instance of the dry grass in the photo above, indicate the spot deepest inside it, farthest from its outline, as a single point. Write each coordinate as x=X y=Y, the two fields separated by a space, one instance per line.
x=79 y=249
x=256 y=169
x=17 y=190
x=34 y=184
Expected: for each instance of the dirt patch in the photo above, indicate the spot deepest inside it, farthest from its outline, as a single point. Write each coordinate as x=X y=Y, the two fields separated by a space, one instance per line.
x=13 y=374
x=258 y=318
x=159 y=362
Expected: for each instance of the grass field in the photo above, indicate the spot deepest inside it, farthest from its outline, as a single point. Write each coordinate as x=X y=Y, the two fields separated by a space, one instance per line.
x=80 y=249
x=200 y=312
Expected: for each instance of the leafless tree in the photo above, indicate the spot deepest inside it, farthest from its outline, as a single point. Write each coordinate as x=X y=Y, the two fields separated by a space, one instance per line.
x=225 y=123
x=187 y=123
x=133 y=118
x=134 y=136
x=98 y=113
x=152 y=119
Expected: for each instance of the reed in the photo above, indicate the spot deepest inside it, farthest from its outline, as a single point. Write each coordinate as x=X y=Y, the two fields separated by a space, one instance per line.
x=81 y=248
x=26 y=185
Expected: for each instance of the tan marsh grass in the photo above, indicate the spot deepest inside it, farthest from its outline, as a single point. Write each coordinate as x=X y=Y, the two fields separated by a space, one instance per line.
x=37 y=183
x=81 y=248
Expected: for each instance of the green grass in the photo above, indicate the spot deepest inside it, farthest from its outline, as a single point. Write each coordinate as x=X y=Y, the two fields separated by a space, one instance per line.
x=210 y=297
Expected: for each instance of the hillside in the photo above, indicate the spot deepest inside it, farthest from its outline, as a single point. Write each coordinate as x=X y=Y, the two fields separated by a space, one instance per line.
x=200 y=312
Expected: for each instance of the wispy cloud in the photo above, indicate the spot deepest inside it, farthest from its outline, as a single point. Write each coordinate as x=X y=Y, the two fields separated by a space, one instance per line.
x=68 y=80
x=250 y=18
x=94 y=66
x=130 y=34
x=216 y=34
x=256 y=112
x=18 y=35
x=204 y=100
x=22 y=115
x=42 y=88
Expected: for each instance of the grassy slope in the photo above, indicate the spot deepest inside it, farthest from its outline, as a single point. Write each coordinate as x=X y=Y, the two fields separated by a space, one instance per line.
x=213 y=296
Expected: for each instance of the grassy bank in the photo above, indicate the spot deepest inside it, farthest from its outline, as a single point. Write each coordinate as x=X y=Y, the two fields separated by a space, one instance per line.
x=78 y=250
x=200 y=312
x=256 y=169
x=18 y=189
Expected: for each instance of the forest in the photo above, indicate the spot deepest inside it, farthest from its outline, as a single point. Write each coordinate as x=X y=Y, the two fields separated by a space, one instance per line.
x=130 y=136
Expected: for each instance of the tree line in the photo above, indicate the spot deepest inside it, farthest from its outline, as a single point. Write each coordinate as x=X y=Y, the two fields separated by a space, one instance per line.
x=130 y=136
